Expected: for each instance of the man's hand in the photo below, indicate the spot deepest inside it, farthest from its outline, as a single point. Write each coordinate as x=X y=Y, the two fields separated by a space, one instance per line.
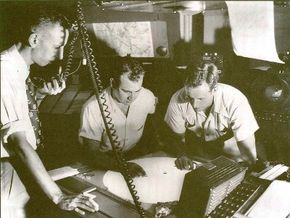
x=79 y=203
x=52 y=88
x=184 y=163
x=135 y=170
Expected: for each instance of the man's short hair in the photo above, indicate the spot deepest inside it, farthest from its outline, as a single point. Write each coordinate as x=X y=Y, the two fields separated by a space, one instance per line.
x=127 y=65
x=202 y=71
x=40 y=17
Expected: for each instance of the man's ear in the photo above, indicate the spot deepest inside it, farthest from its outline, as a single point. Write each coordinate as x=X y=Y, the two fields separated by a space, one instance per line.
x=33 y=40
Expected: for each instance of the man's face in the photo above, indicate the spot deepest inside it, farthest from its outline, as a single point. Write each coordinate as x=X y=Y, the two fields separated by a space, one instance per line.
x=128 y=90
x=200 y=97
x=51 y=40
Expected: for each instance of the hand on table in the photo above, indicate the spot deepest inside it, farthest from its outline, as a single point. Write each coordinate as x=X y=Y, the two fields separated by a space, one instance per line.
x=135 y=170
x=79 y=203
x=184 y=163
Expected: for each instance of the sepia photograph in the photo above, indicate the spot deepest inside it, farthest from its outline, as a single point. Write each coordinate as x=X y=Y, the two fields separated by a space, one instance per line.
x=150 y=109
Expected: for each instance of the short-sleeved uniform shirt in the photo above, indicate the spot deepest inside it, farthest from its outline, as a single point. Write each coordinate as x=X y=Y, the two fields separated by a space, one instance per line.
x=230 y=112
x=129 y=128
x=14 y=104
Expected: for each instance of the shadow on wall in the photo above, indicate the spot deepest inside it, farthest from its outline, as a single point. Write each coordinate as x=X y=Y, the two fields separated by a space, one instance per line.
x=9 y=20
x=182 y=53
x=13 y=14
x=236 y=68
x=103 y=56
x=100 y=47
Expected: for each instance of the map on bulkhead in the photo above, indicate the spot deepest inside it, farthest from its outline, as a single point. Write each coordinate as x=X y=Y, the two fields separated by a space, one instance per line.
x=134 y=38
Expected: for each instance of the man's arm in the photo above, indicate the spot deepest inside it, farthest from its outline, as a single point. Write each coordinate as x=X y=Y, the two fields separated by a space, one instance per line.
x=174 y=131
x=32 y=162
x=174 y=142
x=98 y=158
x=244 y=126
x=247 y=148
x=175 y=145
x=183 y=162
x=106 y=160
x=151 y=140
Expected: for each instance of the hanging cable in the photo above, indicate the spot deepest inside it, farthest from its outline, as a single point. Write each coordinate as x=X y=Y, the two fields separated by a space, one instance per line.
x=106 y=115
x=67 y=69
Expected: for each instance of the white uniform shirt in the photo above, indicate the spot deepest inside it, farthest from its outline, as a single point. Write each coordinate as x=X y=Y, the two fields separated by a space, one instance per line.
x=230 y=111
x=14 y=104
x=129 y=129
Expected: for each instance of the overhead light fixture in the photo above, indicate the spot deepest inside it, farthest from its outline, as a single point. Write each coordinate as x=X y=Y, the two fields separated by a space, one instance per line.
x=186 y=7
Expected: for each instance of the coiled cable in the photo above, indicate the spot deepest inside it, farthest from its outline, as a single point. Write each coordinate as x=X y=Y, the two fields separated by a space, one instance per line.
x=67 y=69
x=106 y=115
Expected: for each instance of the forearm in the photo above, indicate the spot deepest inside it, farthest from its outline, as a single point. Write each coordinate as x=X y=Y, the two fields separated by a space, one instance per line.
x=32 y=162
x=176 y=148
x=102 y=160
x=247 y=148
x=175 y=143
x=95 y=157
x=152 y=133
x=249 y=157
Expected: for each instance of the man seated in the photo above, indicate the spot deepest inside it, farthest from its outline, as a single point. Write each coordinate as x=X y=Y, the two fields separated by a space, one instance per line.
x=210 y=118
x=129 y=104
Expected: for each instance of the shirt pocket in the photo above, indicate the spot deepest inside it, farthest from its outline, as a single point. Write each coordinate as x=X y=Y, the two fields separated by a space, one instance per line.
x=140 y=128
x=138 y=123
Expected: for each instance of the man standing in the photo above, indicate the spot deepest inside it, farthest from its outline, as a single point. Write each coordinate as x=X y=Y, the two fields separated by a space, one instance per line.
x=43 y=36
x=211 y=118
x=129 y=104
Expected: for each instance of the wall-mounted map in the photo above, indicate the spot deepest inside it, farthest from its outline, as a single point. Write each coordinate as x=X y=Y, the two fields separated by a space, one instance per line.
x=134 y=38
